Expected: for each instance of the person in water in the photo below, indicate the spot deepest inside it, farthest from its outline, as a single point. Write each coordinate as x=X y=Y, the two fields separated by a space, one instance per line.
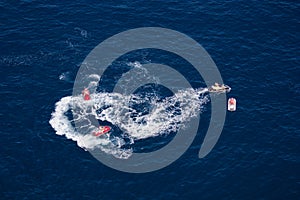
x=86 y=94
x=101 y=129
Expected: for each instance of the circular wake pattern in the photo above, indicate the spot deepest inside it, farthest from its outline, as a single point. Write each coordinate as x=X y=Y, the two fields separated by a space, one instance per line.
x=137 y=116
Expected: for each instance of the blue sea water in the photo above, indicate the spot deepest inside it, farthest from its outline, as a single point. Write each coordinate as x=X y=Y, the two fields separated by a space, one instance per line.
x=255 y=45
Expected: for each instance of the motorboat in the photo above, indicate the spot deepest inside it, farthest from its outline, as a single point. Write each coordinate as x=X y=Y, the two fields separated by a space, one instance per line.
x=219 y=88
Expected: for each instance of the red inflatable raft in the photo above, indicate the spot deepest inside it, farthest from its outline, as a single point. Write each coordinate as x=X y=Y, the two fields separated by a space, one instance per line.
x=102 y=130
x=86 y=94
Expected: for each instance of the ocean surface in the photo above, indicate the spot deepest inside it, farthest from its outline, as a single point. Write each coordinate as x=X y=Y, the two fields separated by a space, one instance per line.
x=255 y=45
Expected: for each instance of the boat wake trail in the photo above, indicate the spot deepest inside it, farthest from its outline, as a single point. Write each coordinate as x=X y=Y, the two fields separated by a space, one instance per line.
x=137 y=117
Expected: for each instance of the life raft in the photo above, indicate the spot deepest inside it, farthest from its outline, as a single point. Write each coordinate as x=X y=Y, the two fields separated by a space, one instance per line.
x=86 y=94
x=102 y=130
x=231 y=104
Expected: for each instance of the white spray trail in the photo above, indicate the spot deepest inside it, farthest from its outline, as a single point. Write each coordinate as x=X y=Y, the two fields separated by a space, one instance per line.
x=164 y=117
x=73 y=117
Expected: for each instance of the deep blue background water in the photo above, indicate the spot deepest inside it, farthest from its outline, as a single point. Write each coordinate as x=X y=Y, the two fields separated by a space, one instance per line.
x=255 y=45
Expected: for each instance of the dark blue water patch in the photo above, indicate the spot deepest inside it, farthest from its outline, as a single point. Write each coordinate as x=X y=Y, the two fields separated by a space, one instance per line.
x=148 y=95
x=153 y=143
x=120 y=66
x=112 y=75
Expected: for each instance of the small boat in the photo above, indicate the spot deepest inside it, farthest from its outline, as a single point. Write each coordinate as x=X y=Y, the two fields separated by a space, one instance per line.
x=86 y=94
x=231 y=104
x=101 y=130
x=218 y=88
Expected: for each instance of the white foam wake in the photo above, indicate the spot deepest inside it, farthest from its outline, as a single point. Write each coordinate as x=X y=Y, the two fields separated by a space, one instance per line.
x=138 y=117
x=162 y=117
